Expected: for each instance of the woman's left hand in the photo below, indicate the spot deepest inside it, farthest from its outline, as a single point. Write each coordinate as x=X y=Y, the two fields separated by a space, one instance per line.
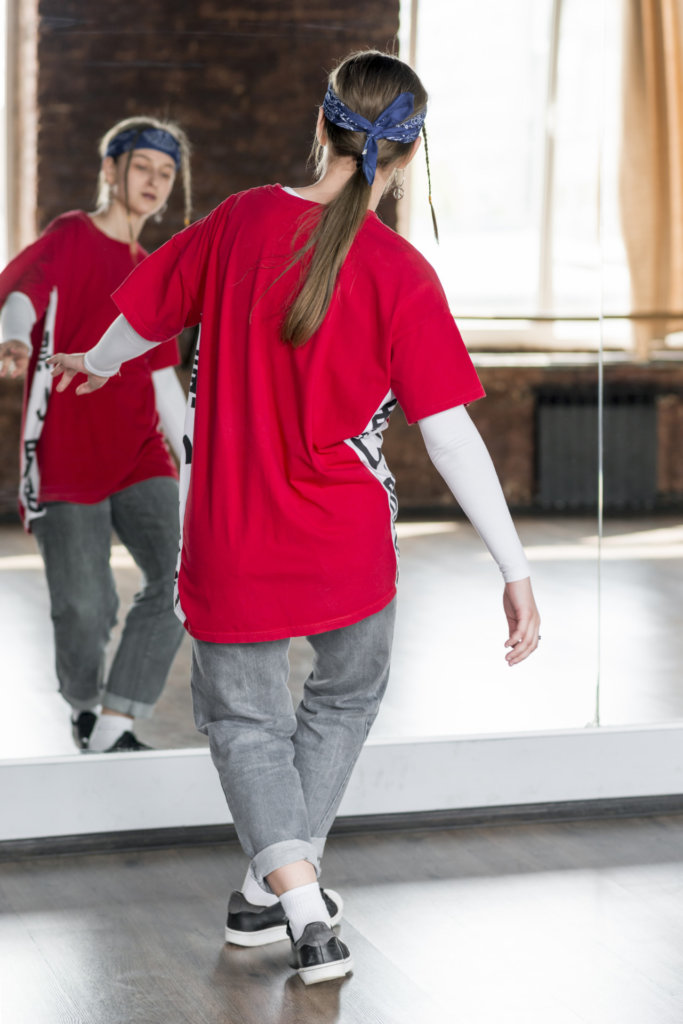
x=68 y=365
x=523 y=620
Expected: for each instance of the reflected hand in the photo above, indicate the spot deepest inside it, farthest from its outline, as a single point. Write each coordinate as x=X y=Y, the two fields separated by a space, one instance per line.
x=68 y=365
x=14 y=358
x=523 y=620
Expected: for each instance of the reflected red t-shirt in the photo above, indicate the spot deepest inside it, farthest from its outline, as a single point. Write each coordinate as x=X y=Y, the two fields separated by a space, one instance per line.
x=288 y=526
x=91 y=445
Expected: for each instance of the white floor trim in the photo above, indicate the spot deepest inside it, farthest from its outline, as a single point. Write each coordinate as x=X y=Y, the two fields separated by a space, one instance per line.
x=78 y=795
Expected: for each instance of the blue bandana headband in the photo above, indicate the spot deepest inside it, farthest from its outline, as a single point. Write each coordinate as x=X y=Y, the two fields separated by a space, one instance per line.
x=148 y=138
x=391 y=124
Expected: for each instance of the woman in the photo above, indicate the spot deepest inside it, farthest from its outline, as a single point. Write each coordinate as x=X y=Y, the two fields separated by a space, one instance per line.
x=88 y=467
x=316 y=319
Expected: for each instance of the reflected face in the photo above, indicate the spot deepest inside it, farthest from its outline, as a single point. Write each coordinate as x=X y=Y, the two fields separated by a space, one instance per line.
x=151 y=175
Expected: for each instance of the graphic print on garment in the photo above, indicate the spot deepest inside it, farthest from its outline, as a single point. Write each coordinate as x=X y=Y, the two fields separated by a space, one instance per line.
x=36 y=411
x=185 y=470
x=368 y=448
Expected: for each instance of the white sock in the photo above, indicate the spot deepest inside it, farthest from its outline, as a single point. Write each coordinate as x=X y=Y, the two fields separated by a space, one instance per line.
x=107 y=730
x=75 y=712
x=253 y=892
x=302 y=906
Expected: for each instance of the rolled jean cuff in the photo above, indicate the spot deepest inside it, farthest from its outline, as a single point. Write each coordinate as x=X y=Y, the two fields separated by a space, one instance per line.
x=82 y=705
x=126 y=706
x=278 y=855
x=319 y=843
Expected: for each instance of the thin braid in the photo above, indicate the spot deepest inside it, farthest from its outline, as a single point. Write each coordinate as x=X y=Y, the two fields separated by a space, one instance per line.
x=187 y=180
x=429 y=184
x=131 y=240
x=129 y=158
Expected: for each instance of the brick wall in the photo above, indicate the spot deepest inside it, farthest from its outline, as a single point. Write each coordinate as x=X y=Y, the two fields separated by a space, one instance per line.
x=244 y=80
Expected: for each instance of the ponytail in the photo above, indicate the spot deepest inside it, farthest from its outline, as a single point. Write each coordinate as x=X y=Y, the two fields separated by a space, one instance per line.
x=367 y=83
x=330 y=241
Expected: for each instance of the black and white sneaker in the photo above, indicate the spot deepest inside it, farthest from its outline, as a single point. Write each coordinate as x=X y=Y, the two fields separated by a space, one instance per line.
x=82 y=726
x=319 y=955
x=127 y=741
x=251 y=925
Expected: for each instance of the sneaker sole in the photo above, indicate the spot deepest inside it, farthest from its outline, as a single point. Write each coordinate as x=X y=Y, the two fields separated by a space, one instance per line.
x=325 y=972
x=262 y=938
x=279 y=932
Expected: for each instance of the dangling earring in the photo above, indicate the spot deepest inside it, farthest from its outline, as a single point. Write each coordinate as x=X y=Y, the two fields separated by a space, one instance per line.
x=398 y=190
x=158 y=216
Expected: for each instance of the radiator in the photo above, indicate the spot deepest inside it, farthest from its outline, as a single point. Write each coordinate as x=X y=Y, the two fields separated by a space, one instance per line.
x=567 y=449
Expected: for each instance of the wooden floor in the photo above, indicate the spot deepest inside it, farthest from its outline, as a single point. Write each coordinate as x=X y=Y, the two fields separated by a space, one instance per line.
x=572 y=923
x=448 y=676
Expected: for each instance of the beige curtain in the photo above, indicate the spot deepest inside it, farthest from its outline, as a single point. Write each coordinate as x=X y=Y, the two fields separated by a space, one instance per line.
x=651 y=183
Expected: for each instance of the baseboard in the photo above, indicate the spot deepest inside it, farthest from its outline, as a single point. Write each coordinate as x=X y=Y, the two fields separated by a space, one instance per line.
x=211 y=835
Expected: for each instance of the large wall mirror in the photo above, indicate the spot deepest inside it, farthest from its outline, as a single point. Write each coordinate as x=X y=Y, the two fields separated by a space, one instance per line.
x=554 y=144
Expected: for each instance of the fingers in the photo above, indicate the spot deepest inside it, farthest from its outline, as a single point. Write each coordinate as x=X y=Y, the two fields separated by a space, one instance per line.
x=11 y=367
x=523 y=621
x=66 y=377
x=522 y=644
x=67 y=366
x=14 y=359
x=91 y=384
x=58 y=366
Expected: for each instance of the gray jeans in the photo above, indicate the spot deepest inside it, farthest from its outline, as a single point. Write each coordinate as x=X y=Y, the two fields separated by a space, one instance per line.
x=75 y=542
x=284 y=773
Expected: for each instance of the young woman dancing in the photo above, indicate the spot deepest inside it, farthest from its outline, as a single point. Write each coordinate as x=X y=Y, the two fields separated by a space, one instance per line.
x=90 y=466
x=316 y=320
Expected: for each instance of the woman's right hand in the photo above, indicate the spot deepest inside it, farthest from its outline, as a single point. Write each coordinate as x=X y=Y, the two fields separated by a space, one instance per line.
x=14 y=358
x=67 y=365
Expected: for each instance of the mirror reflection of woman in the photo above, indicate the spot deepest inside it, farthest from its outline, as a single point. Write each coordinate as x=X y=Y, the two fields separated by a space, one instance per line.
x=90 y=467
x=316 y=319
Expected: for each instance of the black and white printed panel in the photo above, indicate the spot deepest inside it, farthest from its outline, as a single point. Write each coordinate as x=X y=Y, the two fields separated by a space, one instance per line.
x=186 y=468
x=36 y=411
x=368 y=448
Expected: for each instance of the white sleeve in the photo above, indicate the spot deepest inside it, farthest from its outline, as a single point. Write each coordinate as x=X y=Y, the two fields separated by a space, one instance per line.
x=118 y=344
x=17 y=318
x=170 y=399
x=458 y=452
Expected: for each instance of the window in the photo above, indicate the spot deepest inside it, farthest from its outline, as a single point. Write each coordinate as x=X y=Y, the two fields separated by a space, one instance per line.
x=523 y=127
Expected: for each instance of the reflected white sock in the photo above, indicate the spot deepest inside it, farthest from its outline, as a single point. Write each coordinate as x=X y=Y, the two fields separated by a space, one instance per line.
x=107 y=730
x=302 y=906
x=75 y=712
x=253 y=892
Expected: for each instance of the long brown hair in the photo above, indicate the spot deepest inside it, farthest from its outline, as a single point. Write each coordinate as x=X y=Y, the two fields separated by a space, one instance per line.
x=367 y=82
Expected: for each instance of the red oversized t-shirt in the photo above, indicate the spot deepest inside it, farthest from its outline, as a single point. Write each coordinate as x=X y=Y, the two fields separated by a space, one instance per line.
x=90 y=445
x=287 y=527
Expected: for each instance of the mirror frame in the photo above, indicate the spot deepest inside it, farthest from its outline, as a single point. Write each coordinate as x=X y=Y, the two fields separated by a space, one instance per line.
x=180 y=789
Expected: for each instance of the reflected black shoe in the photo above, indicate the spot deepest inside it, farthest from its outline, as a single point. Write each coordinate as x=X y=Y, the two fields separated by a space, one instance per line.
x=319 y=955
x=127 y=741
x=82 y=726
x=251 y=925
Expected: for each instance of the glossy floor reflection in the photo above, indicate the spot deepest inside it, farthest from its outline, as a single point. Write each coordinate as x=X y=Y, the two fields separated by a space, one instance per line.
x=449 y=675
x=565 y=923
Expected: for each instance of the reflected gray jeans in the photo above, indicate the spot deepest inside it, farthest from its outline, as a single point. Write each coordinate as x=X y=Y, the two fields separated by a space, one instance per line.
x=284 y=773
x=75 y=542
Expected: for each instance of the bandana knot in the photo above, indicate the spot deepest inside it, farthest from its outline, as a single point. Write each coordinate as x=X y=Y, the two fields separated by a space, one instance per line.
x=394 y=124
